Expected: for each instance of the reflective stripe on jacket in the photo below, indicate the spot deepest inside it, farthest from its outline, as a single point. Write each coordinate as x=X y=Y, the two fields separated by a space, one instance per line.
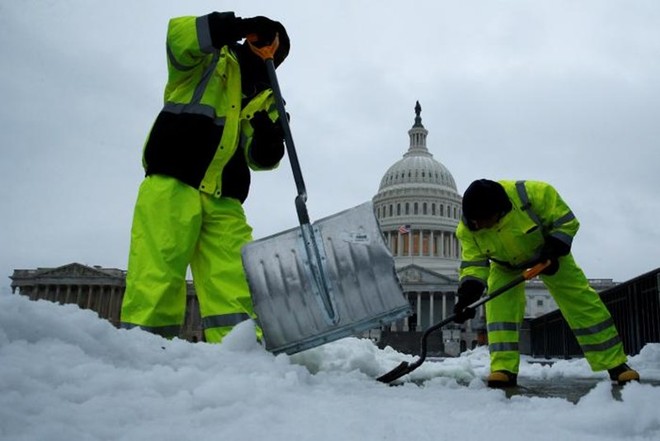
x=538 y=211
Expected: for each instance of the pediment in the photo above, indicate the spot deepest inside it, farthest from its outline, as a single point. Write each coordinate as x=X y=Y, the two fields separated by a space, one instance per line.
x=417 y=275
x=73 y=270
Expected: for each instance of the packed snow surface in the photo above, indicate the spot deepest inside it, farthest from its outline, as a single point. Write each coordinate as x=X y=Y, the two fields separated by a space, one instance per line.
x=67 y=375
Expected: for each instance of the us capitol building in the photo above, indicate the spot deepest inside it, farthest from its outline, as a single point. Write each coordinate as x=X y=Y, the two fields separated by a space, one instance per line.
x=418 y=207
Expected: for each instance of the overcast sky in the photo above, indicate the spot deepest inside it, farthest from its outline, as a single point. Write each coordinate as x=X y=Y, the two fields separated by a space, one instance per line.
x=562 y=91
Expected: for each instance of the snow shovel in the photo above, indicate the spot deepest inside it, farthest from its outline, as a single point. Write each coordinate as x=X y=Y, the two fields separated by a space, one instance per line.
x=406 y=368
x=317 y=283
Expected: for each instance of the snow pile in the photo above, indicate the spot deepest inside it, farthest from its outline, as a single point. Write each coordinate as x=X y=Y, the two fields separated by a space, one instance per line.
x=66 y=375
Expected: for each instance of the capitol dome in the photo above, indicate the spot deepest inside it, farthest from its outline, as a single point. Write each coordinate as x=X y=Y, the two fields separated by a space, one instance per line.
x=418 y=207
x=418 y=168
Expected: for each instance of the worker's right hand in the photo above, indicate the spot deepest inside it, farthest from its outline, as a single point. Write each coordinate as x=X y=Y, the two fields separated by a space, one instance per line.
x=552 y=250
x=468 y=292
x=263 y=27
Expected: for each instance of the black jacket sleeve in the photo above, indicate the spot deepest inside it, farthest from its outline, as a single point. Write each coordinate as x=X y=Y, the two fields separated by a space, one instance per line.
x=225 y=28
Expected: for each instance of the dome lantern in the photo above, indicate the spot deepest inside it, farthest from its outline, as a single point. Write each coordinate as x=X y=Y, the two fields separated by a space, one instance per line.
x=418 y=135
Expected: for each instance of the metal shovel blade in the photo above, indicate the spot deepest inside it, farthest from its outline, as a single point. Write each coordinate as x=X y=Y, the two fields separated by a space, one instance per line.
x=402 y=369
x=304 y=300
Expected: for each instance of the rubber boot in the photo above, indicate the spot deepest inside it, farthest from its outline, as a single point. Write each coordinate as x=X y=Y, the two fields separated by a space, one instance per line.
x=500 y=379
x=623 y=374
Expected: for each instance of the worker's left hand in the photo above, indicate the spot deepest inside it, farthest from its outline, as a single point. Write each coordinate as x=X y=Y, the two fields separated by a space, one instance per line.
x=468 y=292
x=264 y=27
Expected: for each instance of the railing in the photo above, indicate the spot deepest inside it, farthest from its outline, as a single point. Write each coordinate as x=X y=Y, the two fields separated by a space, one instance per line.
x=635 y=308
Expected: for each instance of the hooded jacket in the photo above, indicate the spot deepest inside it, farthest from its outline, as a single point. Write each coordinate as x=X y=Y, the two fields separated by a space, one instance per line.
x=514 y=242
x=203 y=136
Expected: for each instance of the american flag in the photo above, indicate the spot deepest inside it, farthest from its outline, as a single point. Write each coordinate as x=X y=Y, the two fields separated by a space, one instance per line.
x=404 y=229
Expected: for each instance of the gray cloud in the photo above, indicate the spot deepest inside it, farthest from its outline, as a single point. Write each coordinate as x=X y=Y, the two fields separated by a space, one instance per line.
x=559 y=91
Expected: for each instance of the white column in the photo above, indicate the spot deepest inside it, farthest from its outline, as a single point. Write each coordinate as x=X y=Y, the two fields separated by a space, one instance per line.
x=431 y=315
x=89 y=297
x=444 y=305
x=419 y=311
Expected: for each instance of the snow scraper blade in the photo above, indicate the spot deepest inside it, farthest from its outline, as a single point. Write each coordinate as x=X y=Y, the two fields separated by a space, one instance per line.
x=405 y=368
x=359 y=291
x=324 y=281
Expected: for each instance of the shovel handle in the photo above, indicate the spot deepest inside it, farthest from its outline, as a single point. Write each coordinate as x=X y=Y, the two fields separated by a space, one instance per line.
x=405 y=367
x=267 y=54
x=528 y=274
x=537 y=269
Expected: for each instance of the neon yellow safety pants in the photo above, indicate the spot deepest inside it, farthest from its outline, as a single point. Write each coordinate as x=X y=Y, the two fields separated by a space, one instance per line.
x=580 y=305
x=174 y=226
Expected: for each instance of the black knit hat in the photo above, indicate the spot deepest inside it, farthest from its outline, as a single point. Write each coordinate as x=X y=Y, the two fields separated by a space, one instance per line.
x=483 y=199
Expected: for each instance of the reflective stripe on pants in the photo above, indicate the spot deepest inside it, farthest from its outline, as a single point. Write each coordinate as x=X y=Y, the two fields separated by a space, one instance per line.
x=580 y=305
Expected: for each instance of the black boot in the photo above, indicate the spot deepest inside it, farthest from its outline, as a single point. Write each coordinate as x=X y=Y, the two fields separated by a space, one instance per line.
x=623 y=374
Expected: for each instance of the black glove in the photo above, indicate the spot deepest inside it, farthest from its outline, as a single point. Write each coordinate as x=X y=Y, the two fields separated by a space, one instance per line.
x=552 y=250
x=264 y=27
x=268 y=140
x=469 y=292
x=266 y=30
x=226 y=28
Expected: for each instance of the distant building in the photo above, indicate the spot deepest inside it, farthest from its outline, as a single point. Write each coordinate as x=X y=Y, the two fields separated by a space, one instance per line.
x=95 y=288
x=540 y=302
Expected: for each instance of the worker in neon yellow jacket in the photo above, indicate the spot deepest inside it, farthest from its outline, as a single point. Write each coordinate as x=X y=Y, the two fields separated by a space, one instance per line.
x=508 y=226
x=218 y=121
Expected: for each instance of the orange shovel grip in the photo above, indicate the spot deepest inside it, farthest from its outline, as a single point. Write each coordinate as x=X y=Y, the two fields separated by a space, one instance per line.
x=264 y=52
x=535 y=270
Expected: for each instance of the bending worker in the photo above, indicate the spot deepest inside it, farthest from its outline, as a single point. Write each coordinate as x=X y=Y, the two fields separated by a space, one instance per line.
x=219 y=120
x=507 y=227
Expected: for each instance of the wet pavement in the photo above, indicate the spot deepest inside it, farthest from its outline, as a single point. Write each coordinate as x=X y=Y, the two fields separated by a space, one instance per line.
x=571 y=389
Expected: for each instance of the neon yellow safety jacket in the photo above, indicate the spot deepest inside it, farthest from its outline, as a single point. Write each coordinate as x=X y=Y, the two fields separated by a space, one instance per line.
x=205 y=118
x=538 y=211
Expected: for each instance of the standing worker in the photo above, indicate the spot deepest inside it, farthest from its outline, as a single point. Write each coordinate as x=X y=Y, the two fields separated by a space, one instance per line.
x=508 y=226
x=219 y=120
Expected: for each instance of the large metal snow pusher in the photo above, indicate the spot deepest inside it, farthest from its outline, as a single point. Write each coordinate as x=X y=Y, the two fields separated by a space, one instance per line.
x=320 y=282
x=305 y=298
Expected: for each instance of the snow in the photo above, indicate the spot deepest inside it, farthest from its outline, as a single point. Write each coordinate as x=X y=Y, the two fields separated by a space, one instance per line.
x=67 y=375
